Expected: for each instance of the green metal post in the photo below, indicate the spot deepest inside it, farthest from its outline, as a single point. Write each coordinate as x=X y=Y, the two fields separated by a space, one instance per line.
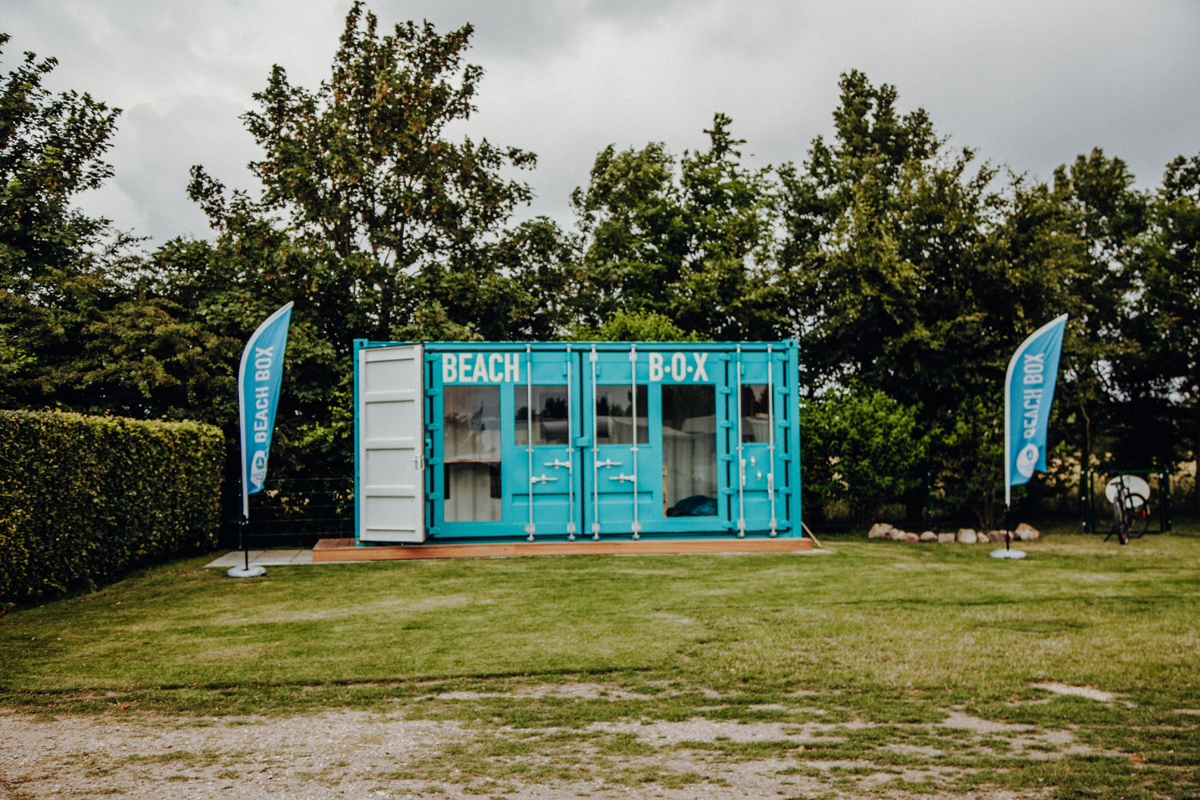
x=928 y=500
x=1087 y=501
x=1166 y=503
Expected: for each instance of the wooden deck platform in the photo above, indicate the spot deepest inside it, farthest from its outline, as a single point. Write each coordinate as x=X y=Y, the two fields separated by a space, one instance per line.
x=344 y=549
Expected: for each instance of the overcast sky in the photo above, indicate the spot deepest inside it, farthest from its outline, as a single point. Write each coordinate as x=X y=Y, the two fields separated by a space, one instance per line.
x=1029 y=84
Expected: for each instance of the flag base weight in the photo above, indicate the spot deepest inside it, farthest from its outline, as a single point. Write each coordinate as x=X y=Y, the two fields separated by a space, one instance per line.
x=1008 y=554
x=247 y=572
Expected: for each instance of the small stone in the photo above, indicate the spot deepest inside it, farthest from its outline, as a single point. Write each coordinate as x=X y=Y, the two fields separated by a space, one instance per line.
x=967 y=536
x=928 y=536
x=1026 y=532
x=997 y=536
x=911 y=537
x=945 y=537
x=879 y=531
x=896 y=535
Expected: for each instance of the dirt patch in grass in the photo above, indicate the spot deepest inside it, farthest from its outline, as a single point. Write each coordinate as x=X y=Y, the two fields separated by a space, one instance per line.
x=585 y=691
x=1077 y=691
x=405 y=754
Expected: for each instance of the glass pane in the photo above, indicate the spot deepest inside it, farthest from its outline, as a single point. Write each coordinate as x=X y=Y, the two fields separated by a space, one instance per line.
x=471 y=427
x=614 y=418
x=549 y=414
x=689 y=430
x=472 y=492
x=756 y=414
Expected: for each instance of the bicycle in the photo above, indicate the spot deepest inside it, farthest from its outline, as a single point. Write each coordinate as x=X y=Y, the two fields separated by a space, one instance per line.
x=1128 y=507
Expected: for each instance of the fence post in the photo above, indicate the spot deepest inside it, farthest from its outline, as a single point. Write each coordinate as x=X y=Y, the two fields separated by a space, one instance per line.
x=1090 y=510
x=928 y=500
x=1165 y=522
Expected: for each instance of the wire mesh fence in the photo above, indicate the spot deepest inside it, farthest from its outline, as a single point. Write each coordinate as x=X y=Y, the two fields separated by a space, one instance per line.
x=1096 y=504
x=294 y=512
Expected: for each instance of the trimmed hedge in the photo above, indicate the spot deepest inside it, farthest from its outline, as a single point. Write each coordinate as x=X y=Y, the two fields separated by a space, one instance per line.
x=83 y=499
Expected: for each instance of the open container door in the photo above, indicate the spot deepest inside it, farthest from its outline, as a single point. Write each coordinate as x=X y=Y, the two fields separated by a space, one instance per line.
x=391 y=471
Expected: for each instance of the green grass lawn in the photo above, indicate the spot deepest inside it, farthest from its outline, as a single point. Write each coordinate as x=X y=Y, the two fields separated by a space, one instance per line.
x=892 y=634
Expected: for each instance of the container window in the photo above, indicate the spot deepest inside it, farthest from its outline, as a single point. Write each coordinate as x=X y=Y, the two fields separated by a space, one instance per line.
x=549 y=414
x=689 y=430
x=756 y=413
x=471 y=428
x=614 y=415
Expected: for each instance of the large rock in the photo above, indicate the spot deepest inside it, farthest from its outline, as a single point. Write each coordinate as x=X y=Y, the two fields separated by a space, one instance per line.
x=997 y=536
x=879 y=530
x=928 y=536
x=911 y=537
x=896 y=535
x=967 y=535
x=1026 y=532
x=945 y=537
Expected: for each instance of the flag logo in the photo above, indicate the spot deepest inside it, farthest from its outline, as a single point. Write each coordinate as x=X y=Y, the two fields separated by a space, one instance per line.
x=1027 y=460
x=258 y=468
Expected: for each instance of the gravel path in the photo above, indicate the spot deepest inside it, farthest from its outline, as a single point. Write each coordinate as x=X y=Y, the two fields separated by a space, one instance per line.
x=350 y=754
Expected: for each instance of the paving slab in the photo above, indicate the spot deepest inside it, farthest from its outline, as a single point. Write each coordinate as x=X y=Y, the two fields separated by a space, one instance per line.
x=262 y=558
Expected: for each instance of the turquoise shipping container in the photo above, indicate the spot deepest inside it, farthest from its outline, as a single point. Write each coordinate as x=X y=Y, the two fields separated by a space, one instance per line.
x=472 y=442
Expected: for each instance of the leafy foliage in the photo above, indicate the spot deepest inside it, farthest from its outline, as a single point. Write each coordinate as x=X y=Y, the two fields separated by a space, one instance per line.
x=85 y=498
x=381 y=212
x=637 y=327
x=694 y=249
x=860 y=447
x=1158 y=367
x=50 y=149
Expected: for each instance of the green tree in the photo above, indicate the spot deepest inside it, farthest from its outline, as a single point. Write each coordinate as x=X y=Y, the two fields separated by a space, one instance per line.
x=636 y=326
x=85 y=326
x=693 y=247
x=859 y=447
x=374 y=222
x=912 y=269
x=1105 y=215
x=636 y=237
x=382 y=213
x=971 y=449
x=1160 y=368
x=907 y=267
x=51 y=148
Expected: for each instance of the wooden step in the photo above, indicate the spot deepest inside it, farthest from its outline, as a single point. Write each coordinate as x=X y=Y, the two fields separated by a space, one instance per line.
x=345 y=550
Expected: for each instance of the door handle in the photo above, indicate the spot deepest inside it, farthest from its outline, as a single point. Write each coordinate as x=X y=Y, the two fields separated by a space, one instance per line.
x=608 y=463
x=556 y=464
x=622 y=478
x=542 y=479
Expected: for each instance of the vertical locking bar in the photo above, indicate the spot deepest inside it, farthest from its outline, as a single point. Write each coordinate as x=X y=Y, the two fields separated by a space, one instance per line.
x=771 y=438
x=741 y=459
x=529 y=437
x=637 y=526
x=595 y=455
x=570 y=457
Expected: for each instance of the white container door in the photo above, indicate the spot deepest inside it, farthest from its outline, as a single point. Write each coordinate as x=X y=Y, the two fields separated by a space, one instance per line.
x=391 y=444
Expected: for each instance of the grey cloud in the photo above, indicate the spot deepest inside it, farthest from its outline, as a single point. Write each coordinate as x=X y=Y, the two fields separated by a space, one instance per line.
x=1030 y=84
